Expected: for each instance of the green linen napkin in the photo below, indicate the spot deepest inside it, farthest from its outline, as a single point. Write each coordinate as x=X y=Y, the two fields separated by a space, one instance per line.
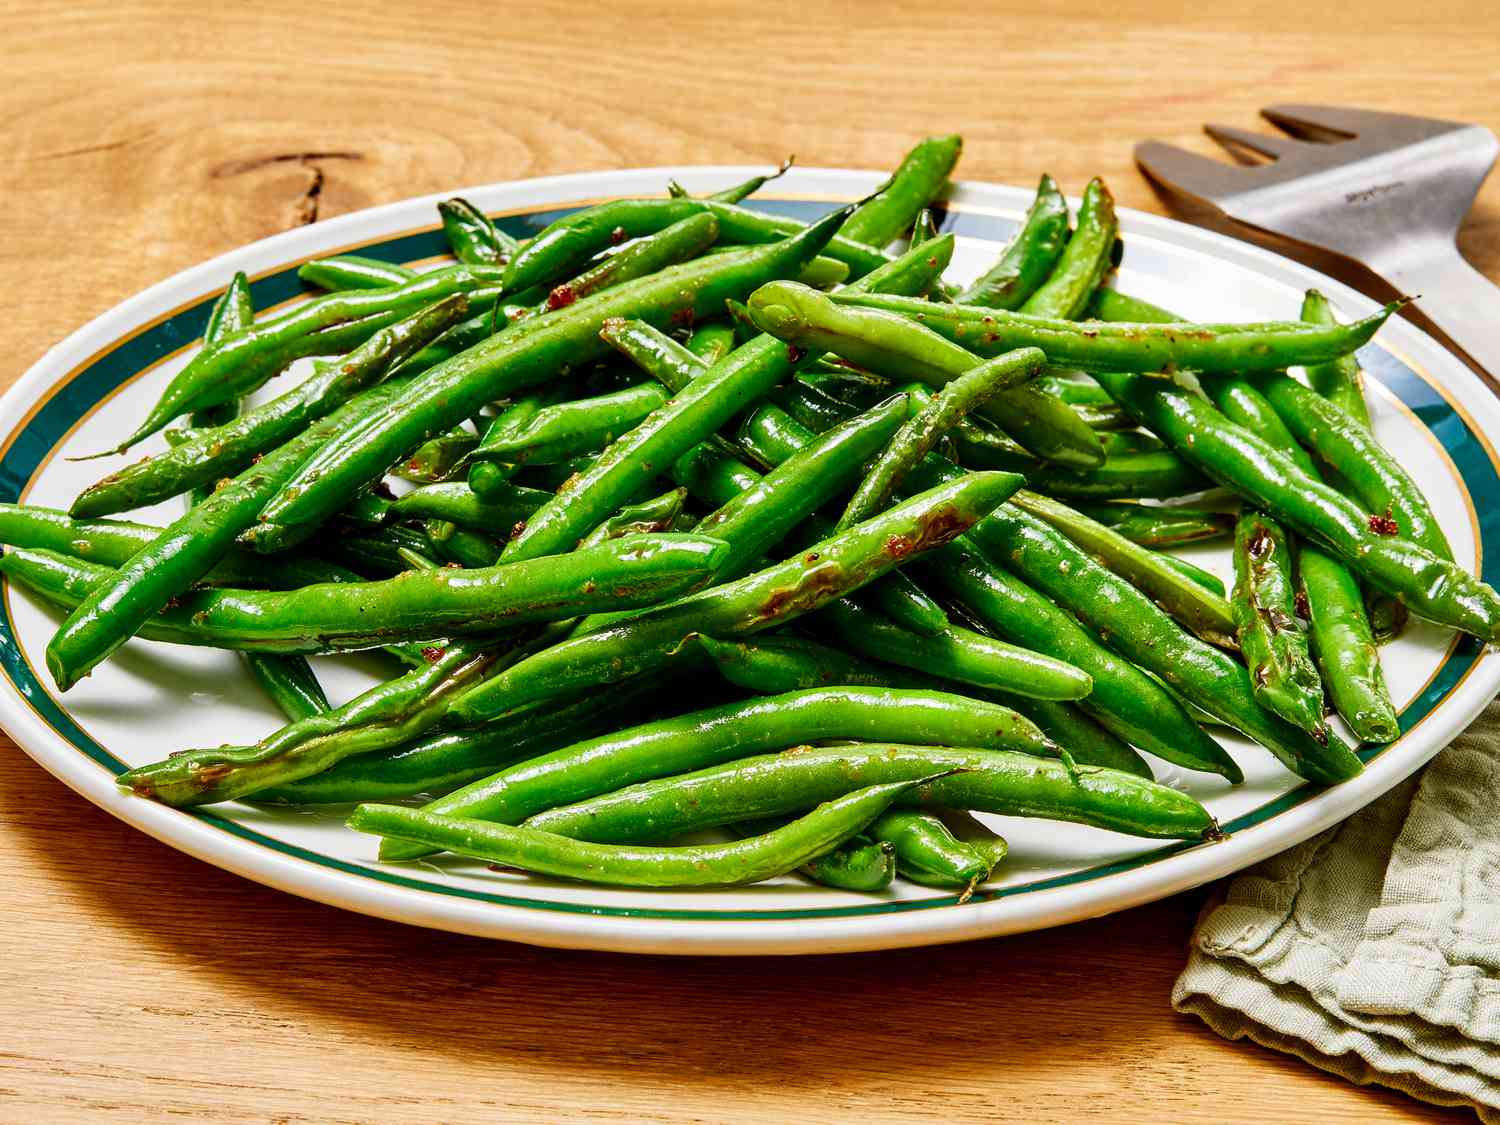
x=1373 y=949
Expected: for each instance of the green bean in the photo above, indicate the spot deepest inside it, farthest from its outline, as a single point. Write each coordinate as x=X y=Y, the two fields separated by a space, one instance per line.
x=654 y=352
x=858 y=864
x=1092 y=346
x=438 y=456
x=667 y=247
x=1028 y=258
x=737 y=192
x=1339 y=381
x=627 y=572
x=1205 y=578
x=209 y=455
x=1429 y=585
x=758 y=518
x=1344 y=646
x=1075 y=388
x=376 y=556
x=779 y=663
x=233 y=312
x=114 y=542
x=471 y=235
x=1124 y=700
x=968 y=829
x=923 y=228
x=1131 y=623
x=352 y=271
x=1353 y=676
x=1084 y=261
x=700 y=865
x=724 y=733
x=992 y=781
x=780 y=592
x=712 y=342
x=386 y=715
x=439 y=763
x=566 y=429
x=461 y=337
x=572 y=240
x=926 y=852
x=917 y=437
x=322 y=326
x=125 y=599
x=1159 y=474
x=1372 y=474
x=1242 y=403
x=1202 y=611
x=889 y=213
x=457 y=502
x=955 y=654
x=526 y=354
x=894 y=345
x=289 y=682
x=658 y=513
x=1155 y=525
x=1271 y=637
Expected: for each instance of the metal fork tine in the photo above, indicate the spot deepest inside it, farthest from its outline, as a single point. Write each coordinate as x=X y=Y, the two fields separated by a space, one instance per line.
x=1296 y=117
x=1263 y=143
x=1185 y=171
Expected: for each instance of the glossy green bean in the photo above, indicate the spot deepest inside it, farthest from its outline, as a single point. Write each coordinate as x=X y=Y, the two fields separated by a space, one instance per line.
x=124 y=600
x=210 y=455
x=353 y=271
x=779 y=663
x=289 y=682
x=1092 y=346
x=712 y=342
x=623 y=573
x=389 y=714
x=526 y=354
x=955 y=654
x=926 y=852
x=1123 y=699
x=566 y=429
x=1242 y=402
x=1205 y=578
x=1084 y=261
x=1029 y=257
x=917 y=436
x=894 y=345
x=113 y=542
x=471 y=235
x=439 y=763
x=992 y=781
x=1156 y=525
x=749 y=860
x=858 y=864
x=457 y=502
x=1340 y=380
x=1429 y=585
x=1202 y=611
x=1375 y=477
x=922 y=174
x=1272 y=639
x=1344 y=646
x=667 y=247
x=780 y=592
x=731 y=731
x=438 y=456
x=322 y=326
x=566 y=244
x=1131 y=623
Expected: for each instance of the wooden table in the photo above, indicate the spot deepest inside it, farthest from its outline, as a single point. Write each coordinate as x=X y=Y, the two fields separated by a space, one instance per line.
x=142 y=138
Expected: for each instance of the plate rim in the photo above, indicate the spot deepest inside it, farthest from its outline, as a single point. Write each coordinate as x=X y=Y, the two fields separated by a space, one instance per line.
x=428 y=905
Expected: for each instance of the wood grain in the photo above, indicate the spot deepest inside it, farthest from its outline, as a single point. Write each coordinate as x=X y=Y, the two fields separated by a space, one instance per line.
x=138 y=984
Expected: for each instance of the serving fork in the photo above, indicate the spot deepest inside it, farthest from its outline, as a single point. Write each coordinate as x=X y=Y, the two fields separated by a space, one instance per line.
x=1385 y=189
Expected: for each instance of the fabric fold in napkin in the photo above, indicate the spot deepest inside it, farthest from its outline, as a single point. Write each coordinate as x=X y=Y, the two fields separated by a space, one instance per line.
x=1373 y=949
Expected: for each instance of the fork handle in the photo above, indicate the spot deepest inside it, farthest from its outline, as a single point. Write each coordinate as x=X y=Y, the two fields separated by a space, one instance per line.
x=1458 y=299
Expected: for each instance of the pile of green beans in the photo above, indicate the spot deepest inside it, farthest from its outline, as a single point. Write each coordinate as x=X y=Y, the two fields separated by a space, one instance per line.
x=681 y=516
